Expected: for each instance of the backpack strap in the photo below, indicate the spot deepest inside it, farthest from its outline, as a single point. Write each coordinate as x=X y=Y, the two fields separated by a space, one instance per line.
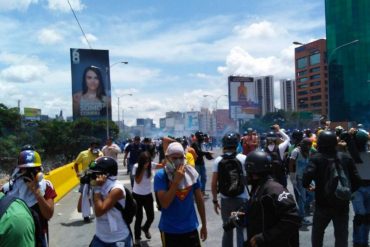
x=5 y=203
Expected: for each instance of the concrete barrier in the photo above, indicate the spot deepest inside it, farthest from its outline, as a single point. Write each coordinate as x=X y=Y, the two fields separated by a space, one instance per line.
x=64 y=180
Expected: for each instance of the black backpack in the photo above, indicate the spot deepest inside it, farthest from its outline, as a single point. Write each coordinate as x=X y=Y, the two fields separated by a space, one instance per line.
x=6 y=201
x=338 y=185
x=230 y=176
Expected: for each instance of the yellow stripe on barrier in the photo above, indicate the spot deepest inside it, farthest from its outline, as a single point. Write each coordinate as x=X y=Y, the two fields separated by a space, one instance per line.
x=64 y=179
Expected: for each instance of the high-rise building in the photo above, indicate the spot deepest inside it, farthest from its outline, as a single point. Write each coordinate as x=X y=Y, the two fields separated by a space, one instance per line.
x=348 y=46
x=288 y=95
x=265 y=93
x=311 y=77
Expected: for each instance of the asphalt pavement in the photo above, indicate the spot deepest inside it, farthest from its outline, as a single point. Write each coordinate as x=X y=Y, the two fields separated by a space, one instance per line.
x=67 y=228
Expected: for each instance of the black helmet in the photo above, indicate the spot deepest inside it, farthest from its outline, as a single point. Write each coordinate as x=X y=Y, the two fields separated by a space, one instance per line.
x=199 y=135
x=245 y=133
x=327 y=139
x=230 y=140
x=28 y=147
x=297 y=136
x=308 y=132
x=183 y=141
x=271 y=136
x=105 y=165
x=361 y=139
x=258 y=162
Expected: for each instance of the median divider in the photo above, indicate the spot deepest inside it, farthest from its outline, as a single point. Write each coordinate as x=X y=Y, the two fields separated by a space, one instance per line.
x=64 y=180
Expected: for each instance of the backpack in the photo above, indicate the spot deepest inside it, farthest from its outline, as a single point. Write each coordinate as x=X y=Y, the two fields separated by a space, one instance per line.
x=129 y=211
x=338 y=185
x=6 y=201
x=230 y=176
x=278 y=166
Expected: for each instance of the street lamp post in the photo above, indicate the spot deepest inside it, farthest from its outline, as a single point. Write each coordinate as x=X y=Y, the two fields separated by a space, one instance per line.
x=107 y=71
x=118 y=98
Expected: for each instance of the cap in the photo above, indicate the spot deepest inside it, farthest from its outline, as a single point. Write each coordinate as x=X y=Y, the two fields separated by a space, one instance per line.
x=175 y=148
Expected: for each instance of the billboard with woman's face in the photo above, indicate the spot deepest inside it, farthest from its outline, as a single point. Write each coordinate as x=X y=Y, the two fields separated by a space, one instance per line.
x=91 y=91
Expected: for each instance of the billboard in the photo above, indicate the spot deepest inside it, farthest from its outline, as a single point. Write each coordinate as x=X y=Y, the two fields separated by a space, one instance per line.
x=192 y=121
x=243 y=100
x=32 y=113
x=91 y=90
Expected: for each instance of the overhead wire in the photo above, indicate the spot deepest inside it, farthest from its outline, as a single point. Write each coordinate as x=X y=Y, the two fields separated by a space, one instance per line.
x=74 y=14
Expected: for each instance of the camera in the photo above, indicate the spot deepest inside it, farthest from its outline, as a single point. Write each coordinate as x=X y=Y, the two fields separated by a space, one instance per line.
x=235 y=220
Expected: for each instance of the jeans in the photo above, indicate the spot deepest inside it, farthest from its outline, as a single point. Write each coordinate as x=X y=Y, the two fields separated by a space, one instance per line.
x=301 y=199
x=322 y=218
x=361 y=207
x=146 y=202
x=96 y=242
x=203 y=176
x=132 y=177
x=229 y=205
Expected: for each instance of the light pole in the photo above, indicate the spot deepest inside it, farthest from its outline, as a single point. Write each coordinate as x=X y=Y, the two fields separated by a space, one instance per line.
x=118 y=98
x=107 y=71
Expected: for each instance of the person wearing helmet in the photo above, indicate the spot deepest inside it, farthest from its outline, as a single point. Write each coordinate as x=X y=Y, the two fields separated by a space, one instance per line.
x=249 y=141
x=324 y=167
x=273 y=218
x=111 y=229
x=228 y=179
x=177 y=186
x=356 y=143
x=199 y=163
x=277 y=152
x=84 y=159
x=28 y=184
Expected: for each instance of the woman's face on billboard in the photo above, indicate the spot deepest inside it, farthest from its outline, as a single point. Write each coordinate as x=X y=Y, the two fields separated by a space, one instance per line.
x=92 y=81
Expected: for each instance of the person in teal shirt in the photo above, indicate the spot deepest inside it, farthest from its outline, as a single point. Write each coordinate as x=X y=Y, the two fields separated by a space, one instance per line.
x=17 y=227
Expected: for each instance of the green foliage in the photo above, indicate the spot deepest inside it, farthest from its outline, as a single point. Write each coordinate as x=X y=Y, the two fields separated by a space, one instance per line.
x=57 y=141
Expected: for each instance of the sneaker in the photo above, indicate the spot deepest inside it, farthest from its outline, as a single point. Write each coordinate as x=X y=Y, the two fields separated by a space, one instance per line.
x=205 y=195
x=306 y=222
x=137 y=243
x=147 y=234
x=87 y=219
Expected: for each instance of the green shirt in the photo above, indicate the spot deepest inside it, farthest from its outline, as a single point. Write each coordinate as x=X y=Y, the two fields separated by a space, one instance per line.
x=16 y=226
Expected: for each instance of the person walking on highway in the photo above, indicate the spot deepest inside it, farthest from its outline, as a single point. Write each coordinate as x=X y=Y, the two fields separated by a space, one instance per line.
x=84 y=159
x=111 y=228
x=134 y=149
x=28 y=183
x=142 y=192
x=176 y=186
x=111 y=149
x=229 y=179
x=199 y=163
x=335 y=177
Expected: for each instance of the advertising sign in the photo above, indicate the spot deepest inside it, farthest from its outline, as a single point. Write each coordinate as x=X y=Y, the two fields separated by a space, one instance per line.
x=242 y=98
x=192 y=121
x=91 y=89
x=32 y=113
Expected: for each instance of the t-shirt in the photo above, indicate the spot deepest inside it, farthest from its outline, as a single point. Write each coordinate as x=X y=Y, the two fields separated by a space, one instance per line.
x=301 y=162
x=111 y=151
x=86 y=157
x=190 y=159
x=145 y=186
x=180 y=216
x=134 y=150
x=17 y=227
x=241 y=158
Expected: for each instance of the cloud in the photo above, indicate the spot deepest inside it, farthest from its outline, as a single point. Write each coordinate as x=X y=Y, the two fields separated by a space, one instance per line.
x=21 y=5
x=260 y=30
x=90 y=37
x=63 y=6
x=49 y=36
x=24 y=73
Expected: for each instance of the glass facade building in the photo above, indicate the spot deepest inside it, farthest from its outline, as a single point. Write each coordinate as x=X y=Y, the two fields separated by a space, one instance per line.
x=348 y=59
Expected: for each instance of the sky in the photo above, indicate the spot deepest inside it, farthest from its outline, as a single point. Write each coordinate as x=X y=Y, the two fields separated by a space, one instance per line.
x=177 y=51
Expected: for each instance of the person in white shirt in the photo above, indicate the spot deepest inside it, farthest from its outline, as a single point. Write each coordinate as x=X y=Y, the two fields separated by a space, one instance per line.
x=111 y=229
x=142 y=192
x=111 y=149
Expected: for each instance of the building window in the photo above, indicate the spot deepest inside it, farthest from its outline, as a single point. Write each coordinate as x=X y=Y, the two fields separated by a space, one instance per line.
x=315 y=83
x=302 y=73
x=315 y=59
x=315 y=76
x=316 y=90
x=316 y=69
x=318 y=104
x=302 y=63
x=303 y=79
x=302 y=93
x=316 y=97
x=303 y=86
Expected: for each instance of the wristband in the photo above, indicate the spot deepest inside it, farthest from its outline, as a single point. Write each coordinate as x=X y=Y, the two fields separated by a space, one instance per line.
x=215 y=201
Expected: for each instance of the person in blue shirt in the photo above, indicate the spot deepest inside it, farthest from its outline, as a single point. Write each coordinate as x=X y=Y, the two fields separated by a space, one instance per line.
x=175 y=186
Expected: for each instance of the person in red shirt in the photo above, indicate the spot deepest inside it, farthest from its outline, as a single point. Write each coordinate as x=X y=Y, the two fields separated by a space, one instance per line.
x=249 y=141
